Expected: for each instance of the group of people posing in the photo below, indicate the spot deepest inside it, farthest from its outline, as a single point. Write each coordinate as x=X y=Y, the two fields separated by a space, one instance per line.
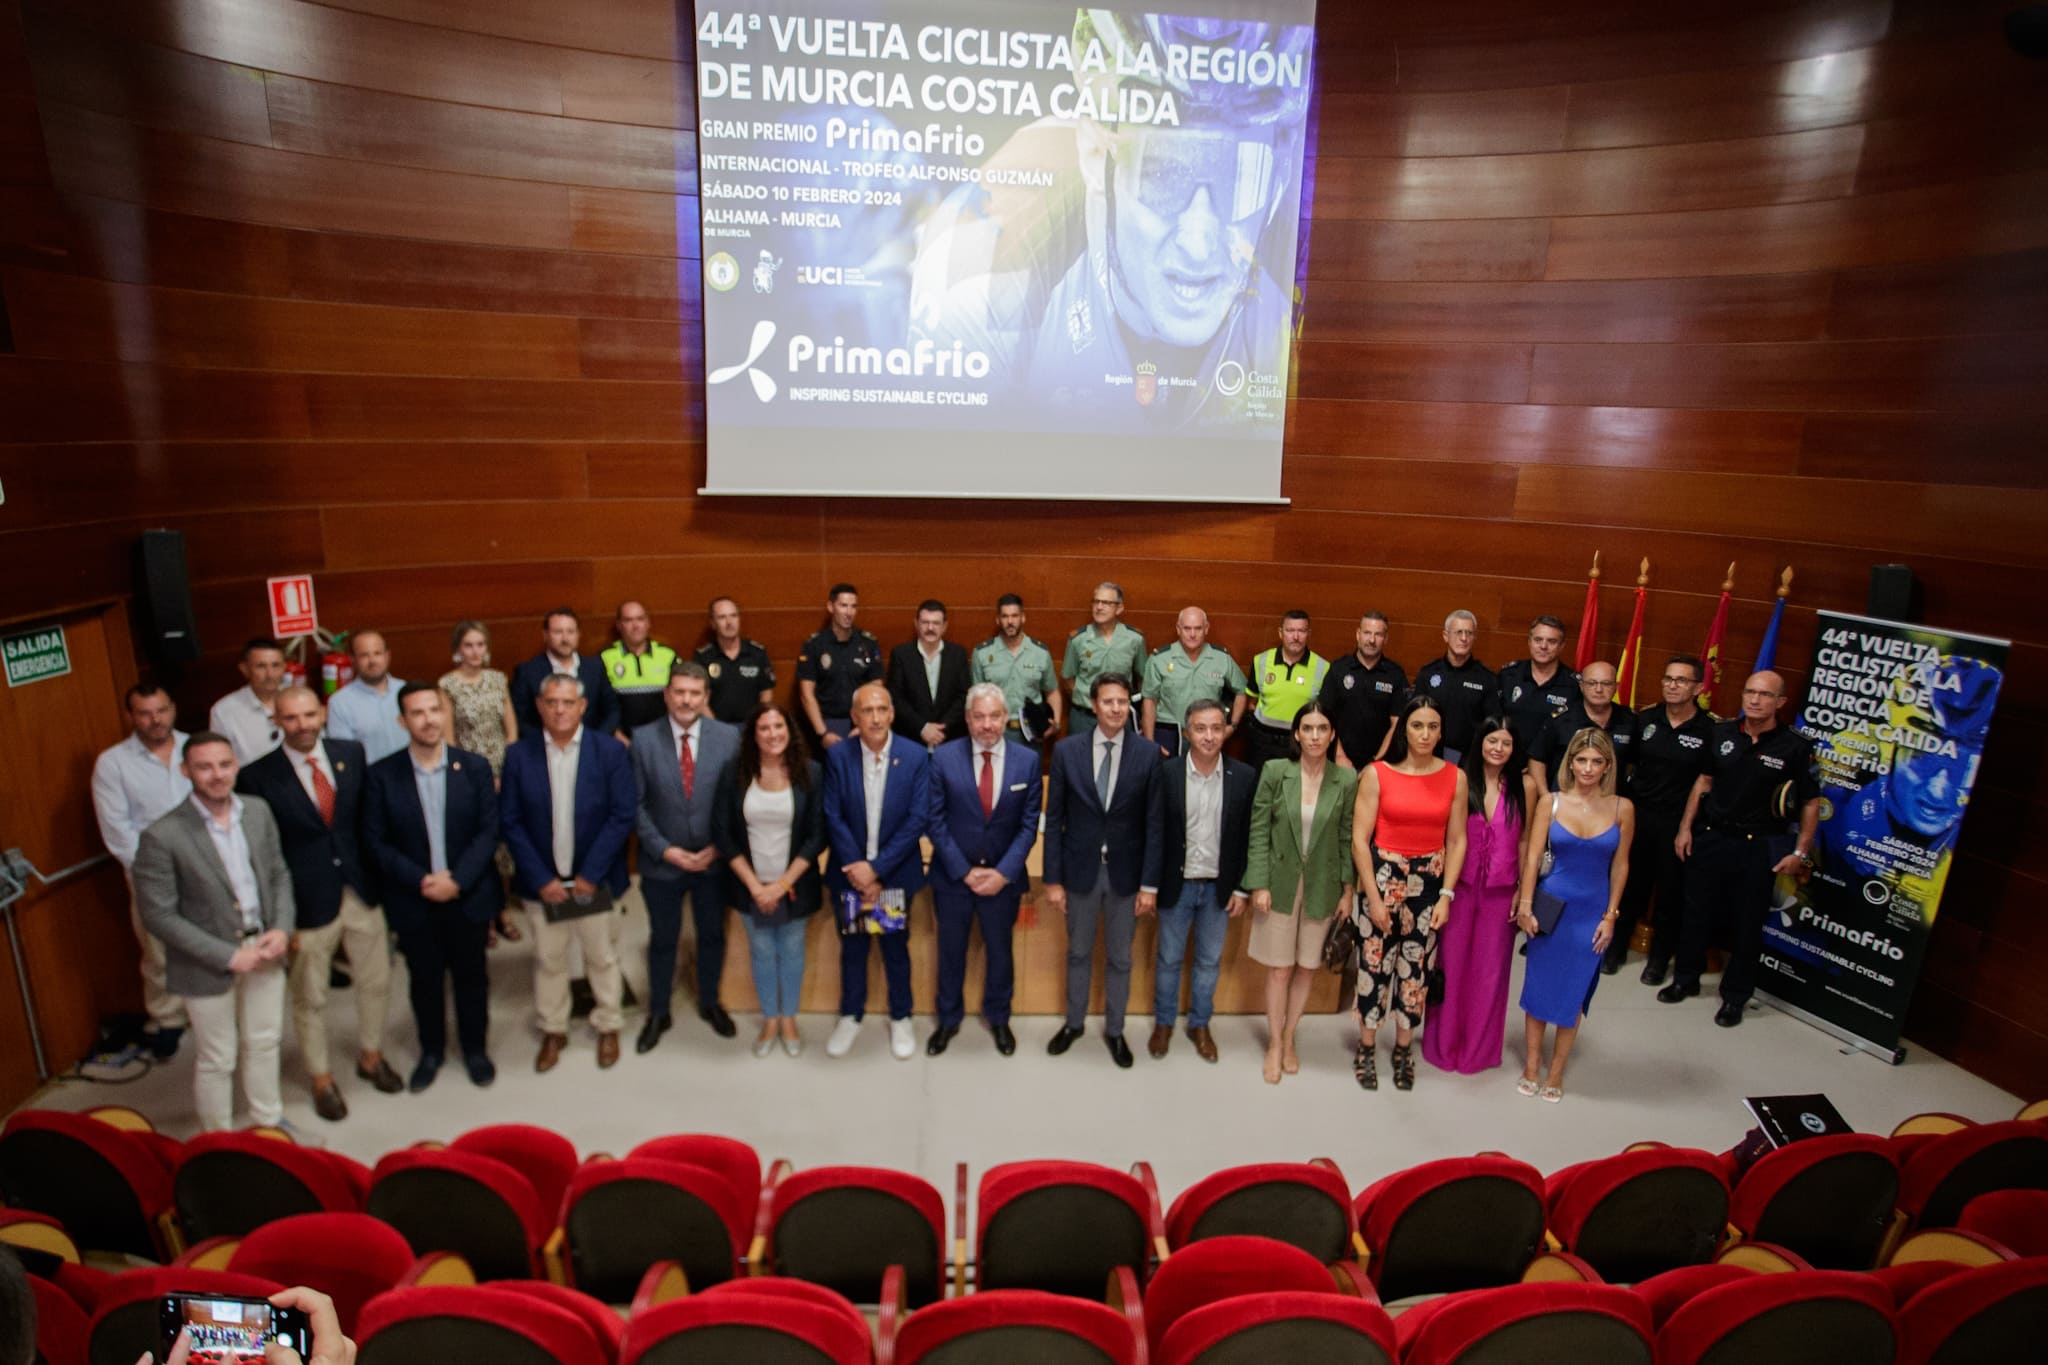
x=294 y=830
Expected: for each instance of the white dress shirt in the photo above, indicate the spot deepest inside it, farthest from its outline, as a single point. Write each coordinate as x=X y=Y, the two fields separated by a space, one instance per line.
x=247 y=723
x=132 y=789
x=931 y=667
x=1204 y=852
x=303 y=765
x=562 y=764
x=874 y=783
x=233 y=847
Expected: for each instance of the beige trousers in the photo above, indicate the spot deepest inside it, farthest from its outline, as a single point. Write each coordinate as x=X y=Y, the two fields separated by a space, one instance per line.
x=164 y=1009
x=245 y=1023
x=362 y=928
x=595 y=935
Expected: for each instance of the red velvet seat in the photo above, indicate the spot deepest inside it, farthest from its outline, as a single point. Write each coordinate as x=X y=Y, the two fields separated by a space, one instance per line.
x=1641 y=1213
x=1528 y=1322
x=1299 y=1328
x=742 y=1327
x=1667 y=1293
x=1939 y=1179
x=788 y=1290
x=1828 y=1198
x=1993 y=1313
x=61 y=1325
x=454 y=1325
x=227 y=1184
x=1816 y=1317
x=124 y=1325
x=38 y=1241
x=1218 y=1268
x=2017 y=1219
x=605 y=1325
x=474 y=1206
x=1061 y=1226
x=350 y=1257
x=1910 y=1277
x=1305 y=1204
x=1005 y=1326
x=109 y=1188
x=731 y=1158
x=844 y=1226
x=1460 y=1223
x=620 y=1217
x=543 y=1156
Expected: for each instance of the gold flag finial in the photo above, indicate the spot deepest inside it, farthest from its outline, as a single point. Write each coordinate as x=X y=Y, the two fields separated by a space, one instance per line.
x=1728 y=583
x=1785 y=582
x=1594 y=572
x=1643 y=574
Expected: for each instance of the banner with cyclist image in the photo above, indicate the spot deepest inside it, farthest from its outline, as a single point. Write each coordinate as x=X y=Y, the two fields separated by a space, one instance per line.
x=1898 y=715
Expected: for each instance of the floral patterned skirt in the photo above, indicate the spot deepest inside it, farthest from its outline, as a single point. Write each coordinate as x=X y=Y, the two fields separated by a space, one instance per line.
x=1393 y=967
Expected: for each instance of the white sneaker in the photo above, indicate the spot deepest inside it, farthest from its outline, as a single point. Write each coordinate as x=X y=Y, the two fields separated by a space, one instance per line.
x=902 y=1039
x=793 y=1046
x=843 y=1034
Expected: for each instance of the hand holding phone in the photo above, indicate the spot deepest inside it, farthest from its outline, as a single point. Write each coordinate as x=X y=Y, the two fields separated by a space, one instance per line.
x=228 y=1329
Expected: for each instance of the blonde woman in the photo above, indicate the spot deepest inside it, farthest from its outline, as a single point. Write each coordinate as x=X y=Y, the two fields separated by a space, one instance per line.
x=481 y=702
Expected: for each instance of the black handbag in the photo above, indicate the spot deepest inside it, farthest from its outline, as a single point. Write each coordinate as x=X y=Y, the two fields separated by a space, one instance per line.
x=1340 y=945
x=1546 y=909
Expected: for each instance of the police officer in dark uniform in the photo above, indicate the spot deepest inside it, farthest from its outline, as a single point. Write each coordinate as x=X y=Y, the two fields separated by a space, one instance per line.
x=1361 y=691
x=1595 y=708
x=1732 y=839
x=833 y=665
x=1534 y=689
x=742 y=675
x=1462 y=688
x=1671 y=752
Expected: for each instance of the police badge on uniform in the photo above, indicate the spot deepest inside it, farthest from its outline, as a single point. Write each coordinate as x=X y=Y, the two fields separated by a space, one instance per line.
x=1649 y=729
x=619 y=670
x=824 y=661
x=711 y=669
x=1517 y=693
x=1350 y=681
x=1271 y=677
x=1436 y=680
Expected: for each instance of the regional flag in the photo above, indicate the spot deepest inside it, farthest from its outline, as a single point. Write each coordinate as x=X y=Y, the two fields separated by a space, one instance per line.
x=1717 y=633
x=1589 y=619
x=1632 y=648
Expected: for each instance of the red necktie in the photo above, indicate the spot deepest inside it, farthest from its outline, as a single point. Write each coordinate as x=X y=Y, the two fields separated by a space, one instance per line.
x=689 y=770
x=988 y=783
x=323 y=792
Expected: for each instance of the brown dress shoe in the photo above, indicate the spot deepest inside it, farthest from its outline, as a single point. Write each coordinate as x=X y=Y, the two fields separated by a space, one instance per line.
x=329 y=1104
x=551 y=1045
x=1204 y=1041
x=607 y=1049
x=1162 y=1039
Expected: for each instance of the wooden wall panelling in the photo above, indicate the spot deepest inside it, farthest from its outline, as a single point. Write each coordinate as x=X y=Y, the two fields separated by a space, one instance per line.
x=1966 y=297
x=58 y=400
x=378 y=407
x=1676 y=439
x=145 y=84
x=645 y=28
x=1464 y=372
x=1434 y=249
x=1727 y=308
x=1458 y=123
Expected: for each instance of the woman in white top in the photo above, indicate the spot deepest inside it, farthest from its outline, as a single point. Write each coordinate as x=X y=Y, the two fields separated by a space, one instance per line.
x=769 y=825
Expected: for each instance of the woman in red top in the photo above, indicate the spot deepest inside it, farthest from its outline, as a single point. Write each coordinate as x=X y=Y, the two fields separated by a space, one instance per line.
x=1408 y=826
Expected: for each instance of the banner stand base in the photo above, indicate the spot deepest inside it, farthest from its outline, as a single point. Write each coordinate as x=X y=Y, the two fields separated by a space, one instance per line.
x=1894 y=1055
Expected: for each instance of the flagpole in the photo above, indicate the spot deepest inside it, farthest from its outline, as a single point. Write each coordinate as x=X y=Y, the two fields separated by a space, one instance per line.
x=1632 y=646
x=1589 y=616
x=1767 y=652
x=1717 y=631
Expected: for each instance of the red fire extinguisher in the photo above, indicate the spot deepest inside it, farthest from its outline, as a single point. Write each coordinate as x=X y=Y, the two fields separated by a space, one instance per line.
x=294 y=673
x=337 y=670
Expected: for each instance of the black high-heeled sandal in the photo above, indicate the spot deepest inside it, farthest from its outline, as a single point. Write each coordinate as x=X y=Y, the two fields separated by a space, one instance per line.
x=1404 y=1066
x=1365 y=1067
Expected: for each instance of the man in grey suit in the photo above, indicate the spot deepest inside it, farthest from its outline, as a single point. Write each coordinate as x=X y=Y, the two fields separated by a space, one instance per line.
x=211 y=882
x=677 y=763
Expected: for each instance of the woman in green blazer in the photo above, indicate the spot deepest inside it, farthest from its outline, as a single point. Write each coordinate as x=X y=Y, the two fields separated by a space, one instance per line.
x=1300 y=874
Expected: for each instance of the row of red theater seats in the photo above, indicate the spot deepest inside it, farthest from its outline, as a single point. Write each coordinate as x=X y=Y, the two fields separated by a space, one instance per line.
x=1224 y=1301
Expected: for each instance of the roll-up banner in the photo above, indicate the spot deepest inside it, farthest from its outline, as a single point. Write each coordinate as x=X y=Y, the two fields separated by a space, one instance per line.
x=1898 y=716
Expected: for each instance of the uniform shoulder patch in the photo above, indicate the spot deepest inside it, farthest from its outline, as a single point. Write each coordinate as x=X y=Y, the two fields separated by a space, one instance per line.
x=1075 y=631
x=750 y=644
x=1162 y=649
x=989 y=641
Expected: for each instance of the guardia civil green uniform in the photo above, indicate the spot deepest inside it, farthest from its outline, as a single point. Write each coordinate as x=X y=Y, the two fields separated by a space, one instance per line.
x=1089 y=656
x=639 y=680
x=1025 y=676
x=1279 y=690
x=1173 y=681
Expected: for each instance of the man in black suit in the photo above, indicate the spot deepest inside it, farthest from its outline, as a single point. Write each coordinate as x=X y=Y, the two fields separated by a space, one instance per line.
x=928 y=680
x=1095 y=814
x=1196 y=842
x=562 y=634
x=314 y=788
x=431 y=820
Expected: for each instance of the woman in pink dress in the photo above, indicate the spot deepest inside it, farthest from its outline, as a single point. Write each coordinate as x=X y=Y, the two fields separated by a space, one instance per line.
x=1467 y=1032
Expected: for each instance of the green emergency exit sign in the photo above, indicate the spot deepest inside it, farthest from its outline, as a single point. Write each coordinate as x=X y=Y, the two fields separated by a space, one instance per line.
x=33 y=655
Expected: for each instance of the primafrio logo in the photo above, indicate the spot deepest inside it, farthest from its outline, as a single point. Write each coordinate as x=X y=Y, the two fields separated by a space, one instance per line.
x=764 y=383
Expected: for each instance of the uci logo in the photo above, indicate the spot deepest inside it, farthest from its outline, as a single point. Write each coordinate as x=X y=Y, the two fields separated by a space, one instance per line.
x=820 y=274
x=764 y=384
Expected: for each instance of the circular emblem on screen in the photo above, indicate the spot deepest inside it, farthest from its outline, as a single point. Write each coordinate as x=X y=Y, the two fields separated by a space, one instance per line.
x=712 y=670
x=721 y=271
x=1230 y=379
x=1876 y=892
x=1813 y=1123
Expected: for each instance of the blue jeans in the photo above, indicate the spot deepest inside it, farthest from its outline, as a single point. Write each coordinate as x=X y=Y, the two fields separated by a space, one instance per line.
x=778 y=957
x=1198 y=909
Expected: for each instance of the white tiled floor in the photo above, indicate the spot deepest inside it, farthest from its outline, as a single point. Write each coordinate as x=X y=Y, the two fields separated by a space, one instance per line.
x=1642 y=1070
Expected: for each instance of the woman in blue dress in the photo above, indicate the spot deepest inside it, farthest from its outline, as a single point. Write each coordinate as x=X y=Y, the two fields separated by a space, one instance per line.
x=1587 y=829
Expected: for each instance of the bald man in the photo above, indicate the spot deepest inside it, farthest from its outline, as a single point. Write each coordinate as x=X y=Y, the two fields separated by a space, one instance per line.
x=1735 y=841
x=1189 y=670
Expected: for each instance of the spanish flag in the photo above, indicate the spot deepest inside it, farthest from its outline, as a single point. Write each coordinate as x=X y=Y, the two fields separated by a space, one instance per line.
x=1632 y=648
x=1717 y=634
x=1589 y=619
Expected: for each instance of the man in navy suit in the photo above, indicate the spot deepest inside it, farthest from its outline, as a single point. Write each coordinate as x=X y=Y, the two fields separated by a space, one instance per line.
x=1095 y=856
x=562 y=633
x=677 y=763
x=1197 y=842
x=877 y=804
x=314 y=787
x=568 y=804
x=928 y=680
x=431 y=820
x=985 y=799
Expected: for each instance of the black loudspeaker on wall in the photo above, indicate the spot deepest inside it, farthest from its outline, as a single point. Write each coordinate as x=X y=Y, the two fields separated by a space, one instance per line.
x=1894 y=593
x=163 y=598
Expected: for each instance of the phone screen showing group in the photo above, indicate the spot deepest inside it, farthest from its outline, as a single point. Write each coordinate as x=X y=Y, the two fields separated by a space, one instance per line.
x=222 y=1331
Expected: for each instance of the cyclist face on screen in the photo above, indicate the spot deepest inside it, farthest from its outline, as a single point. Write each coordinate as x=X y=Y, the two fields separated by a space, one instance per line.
x=1187 y=207
x=1925 y=793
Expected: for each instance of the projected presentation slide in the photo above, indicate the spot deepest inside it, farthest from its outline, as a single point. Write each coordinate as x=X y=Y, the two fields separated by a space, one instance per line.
x=1000 y=248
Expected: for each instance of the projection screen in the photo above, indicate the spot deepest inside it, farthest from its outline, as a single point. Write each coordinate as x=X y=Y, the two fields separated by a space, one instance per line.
x=999 y=248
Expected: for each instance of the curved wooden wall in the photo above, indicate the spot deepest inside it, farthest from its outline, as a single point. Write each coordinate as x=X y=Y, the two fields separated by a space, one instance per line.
x=388 y=290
